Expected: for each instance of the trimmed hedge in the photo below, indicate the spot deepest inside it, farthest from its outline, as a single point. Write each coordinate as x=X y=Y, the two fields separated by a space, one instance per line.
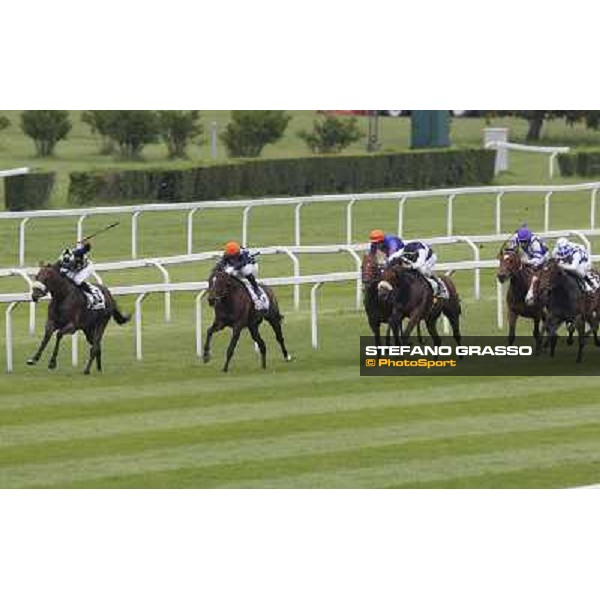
x=585 y=163
x=28 y=192
x=286 y=177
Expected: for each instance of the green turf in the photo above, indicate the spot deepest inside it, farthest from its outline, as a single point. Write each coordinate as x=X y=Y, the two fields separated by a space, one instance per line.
x=171 y=421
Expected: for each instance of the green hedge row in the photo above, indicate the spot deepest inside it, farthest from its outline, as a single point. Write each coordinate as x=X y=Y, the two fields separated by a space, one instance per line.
x=28 y=192
x=585 y=163
x=286 y=177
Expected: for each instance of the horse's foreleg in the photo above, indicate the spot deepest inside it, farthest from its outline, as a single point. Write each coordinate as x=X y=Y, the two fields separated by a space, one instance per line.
x=235 y=336
x=50 y=329
x=512 y=327
x=67 y=330
x=537 y=335
x=412 y=323
x=214 y=328
x=581 y=337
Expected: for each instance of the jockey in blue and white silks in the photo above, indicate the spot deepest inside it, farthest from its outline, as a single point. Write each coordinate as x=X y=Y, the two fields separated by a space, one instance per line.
x=534 y=250
x=390 y=245
x=421 y=257
x=575 y=259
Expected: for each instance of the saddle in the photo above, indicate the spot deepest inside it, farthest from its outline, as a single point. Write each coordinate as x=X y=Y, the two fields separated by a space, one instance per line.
x=95 y=298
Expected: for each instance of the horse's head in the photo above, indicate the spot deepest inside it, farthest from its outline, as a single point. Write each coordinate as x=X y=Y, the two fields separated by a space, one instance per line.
x=389 y=280
x=45 y=282
x=219 y=290
x=372 y=268
x=510 y=264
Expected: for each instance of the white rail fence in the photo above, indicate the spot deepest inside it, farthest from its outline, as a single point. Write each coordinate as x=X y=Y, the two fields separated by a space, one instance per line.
x=194 y=210
x=552 y=151
x=293 y=253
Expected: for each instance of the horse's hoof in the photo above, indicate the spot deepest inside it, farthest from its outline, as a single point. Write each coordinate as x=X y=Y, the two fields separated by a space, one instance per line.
x=31 y=362
x=289 y=358
x=206 y=358
x=52 y=366
x=86 y=372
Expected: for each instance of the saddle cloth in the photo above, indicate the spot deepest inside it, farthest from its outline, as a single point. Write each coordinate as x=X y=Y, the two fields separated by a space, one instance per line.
x=262 y=302
x=438 y=287
x=95 y=300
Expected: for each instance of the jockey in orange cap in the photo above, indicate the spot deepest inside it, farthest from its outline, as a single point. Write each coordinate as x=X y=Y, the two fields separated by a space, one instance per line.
x=391 y=245
x=241 y=263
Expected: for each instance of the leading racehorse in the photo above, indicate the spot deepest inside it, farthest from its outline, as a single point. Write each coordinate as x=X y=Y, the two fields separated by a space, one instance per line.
x=68 y=312
x=234 y=308
x=520 y=276
x=413 y=297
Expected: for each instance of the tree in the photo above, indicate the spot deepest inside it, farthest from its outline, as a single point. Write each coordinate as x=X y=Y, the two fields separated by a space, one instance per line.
x=99 y=123
x=537 y=118
x=46 y=128
x=331 y=134
x=251 y=130
x=178 y=128
x=131 y=130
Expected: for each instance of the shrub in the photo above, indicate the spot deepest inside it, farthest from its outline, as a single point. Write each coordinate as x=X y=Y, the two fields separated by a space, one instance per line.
x=178 y=128
x=99 y=123
x=131 y=130
x=46 y=128
x=585 y=163
x=4 y=123
x=287 y=177
x=251 y=130
x=28 y=192
x=331 y=134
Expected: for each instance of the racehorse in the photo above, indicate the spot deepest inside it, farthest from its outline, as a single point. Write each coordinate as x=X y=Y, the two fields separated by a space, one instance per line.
x=565 y=302
x=378 y=311
x=234 y=308
x=68 y=312
x=521 y=277
x=413 y=297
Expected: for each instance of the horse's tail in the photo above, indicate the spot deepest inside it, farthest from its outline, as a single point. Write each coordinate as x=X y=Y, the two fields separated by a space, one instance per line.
x=119 y=317
x=454 y=296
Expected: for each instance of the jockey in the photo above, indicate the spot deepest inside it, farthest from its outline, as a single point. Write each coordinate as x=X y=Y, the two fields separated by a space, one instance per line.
x=391 y=245
x=75 y=265
x=534 y=250
x=422 y=258
x=575 y=259
x=240 y=263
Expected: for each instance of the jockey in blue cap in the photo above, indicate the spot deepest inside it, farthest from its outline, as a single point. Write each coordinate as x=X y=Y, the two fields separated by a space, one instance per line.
x=391 y=245
x=534 y=250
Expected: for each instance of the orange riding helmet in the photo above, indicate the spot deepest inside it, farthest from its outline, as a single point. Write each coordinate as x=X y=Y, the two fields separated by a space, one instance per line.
x=376 y=236
x=232 y=249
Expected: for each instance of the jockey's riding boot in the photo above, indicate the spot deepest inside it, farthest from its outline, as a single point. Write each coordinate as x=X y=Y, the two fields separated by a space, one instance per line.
x=84 y=287
x=259 y=302
x=254 y=284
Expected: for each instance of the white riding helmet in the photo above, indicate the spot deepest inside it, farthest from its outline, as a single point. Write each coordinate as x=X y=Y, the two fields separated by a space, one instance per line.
x=563 y=247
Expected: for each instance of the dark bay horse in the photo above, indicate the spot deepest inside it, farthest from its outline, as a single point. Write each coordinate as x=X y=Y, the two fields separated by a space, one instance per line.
x=565 y=302
x=68 y=312
x=413 y=297
x=234 y=308
x=378 y=310
x=520 y=276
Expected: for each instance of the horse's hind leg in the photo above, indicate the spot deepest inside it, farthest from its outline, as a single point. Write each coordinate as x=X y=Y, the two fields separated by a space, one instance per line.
x=235 y=336
x=260 y=343
x=581 y=336
x=431 y=324
x=275 y=323
x=50 y=329
x=454 y=317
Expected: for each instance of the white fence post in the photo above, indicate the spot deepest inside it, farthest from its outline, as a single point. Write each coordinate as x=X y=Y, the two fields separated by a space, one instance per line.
x=547 y=211
x=450 y=216
x=9 y=340
x=358 y=263
x=190 y=229
x=401 y=215
x=138 y=325
x=22 y=241
x=245 y=218
x=313 y=315
x=499 y=307
x=499 y=197
x=593 y=208
x=199 y=298
x=297 y=224
x=296 y=268
x=166 y=279
x=349 y=221
x=75 y=349
x=80 y=221
x=134 y=234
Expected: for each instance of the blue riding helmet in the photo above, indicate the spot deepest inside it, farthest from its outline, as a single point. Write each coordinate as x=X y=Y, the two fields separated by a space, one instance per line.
x=524 y=235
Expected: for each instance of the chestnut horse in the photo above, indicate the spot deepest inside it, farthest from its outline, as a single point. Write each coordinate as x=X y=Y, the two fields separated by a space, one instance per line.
x=520 y=276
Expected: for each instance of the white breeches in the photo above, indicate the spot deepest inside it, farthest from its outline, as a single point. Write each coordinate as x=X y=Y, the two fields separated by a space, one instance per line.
x=78 y=277
x=427 y=267
x=580 y=269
